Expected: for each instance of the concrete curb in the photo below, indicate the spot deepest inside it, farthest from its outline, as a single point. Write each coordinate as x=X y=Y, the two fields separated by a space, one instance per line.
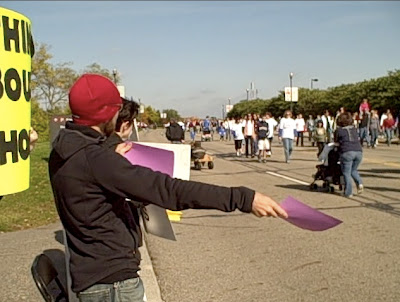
x=18 y=249
x=152 y=289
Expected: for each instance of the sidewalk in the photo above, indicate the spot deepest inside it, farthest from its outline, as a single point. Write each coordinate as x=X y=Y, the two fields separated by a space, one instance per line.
x=18 y=249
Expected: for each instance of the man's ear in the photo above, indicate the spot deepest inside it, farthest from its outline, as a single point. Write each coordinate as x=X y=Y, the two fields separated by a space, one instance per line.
x=124 y=126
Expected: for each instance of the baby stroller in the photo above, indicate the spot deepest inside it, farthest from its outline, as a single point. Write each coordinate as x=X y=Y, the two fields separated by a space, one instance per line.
x=206 y=135
x=200 y=157
x=330 y=171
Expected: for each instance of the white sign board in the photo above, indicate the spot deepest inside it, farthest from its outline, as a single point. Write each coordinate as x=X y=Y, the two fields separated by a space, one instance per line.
x=228 y=108
x=291 y=94
x=121 y=90
x=181 y=157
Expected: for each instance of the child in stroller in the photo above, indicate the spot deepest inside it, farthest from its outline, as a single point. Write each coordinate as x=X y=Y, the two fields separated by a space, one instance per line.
x=330 y=171
x=200 y=157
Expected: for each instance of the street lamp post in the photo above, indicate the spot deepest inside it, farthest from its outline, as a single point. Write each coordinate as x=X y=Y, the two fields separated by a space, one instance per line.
x=291 y=92
x=114 y=72
x=313 y=80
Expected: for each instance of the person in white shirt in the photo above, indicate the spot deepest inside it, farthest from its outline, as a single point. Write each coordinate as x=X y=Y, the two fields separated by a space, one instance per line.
x=272 y=123
x=237 y=133
x=300 y=127
x=287 y=127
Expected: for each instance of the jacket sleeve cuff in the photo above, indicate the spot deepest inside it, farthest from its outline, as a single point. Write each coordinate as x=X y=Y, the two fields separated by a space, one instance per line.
x=244 y=197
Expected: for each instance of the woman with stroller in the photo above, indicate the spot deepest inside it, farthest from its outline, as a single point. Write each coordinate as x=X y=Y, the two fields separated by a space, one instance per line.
x=350 y=151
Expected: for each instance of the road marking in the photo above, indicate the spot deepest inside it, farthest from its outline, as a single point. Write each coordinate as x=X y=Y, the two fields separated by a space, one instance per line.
x=288 y=178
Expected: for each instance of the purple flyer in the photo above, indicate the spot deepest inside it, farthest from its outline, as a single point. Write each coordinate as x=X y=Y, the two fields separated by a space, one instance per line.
x=305 y=217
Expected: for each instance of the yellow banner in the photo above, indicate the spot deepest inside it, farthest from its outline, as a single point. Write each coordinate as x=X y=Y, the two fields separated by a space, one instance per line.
x=16 y=51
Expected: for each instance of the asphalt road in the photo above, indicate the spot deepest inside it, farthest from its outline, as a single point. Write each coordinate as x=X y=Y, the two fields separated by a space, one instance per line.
x=238 y=257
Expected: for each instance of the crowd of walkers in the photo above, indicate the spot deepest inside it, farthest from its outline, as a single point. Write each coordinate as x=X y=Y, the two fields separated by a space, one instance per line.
x=253 y=133
x=348 y=131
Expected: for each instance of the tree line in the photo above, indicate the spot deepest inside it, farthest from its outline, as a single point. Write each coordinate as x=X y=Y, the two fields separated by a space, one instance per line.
x=382 y=93
x=50 y=85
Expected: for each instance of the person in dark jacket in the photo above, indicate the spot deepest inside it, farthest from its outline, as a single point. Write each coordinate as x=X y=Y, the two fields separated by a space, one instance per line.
x=363 y=128
x=175 y=133
x=350 y=151
x=90 y=181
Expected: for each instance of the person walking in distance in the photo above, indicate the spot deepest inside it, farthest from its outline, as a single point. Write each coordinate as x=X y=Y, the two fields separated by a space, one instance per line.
x=89 y=181
x=374 y=127
x=272 y=123
x=262 y=138
x=249 y=132
x=328 y=122
x=319 y=136
x=363 y=128
x=175 y=133
x=300 y=128
x=310 y=125
x=238 y=136
x=287 y=129
x=388 y=126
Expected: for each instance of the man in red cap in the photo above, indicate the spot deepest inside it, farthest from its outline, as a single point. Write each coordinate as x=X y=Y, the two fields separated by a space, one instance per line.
x=91 y=182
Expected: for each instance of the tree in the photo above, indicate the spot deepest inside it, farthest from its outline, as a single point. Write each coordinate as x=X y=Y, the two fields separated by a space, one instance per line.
x=51 y=83
x=96 y=68
x=153 y=115
x=172 y=113
x=39 y=120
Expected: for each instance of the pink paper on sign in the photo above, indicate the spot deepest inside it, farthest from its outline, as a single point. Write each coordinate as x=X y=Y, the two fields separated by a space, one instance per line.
x=305 y=217
x=154 y=158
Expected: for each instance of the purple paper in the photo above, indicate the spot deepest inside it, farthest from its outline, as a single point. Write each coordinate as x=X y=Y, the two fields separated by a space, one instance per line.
x=305 y=217
x=154 y=158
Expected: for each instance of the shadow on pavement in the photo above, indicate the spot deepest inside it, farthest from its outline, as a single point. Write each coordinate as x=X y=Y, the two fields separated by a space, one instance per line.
x=380 y=171
x=220 y=226
x=300 y=187
x=216 y=215
x=58 y=235
x=380 y=176
x=383 y=189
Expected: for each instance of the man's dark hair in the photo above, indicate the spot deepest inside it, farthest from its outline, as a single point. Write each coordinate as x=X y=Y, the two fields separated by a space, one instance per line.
x=345 y=119
x=129 y=111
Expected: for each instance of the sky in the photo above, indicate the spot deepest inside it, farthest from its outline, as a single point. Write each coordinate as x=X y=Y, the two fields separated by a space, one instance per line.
x=196 y=56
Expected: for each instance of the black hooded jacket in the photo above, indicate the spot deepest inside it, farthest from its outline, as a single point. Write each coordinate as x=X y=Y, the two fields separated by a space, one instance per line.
x=174 y=132
x=90 y=182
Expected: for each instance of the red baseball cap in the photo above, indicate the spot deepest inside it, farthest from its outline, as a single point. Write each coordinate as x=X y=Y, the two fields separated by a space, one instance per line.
x=93 y=99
